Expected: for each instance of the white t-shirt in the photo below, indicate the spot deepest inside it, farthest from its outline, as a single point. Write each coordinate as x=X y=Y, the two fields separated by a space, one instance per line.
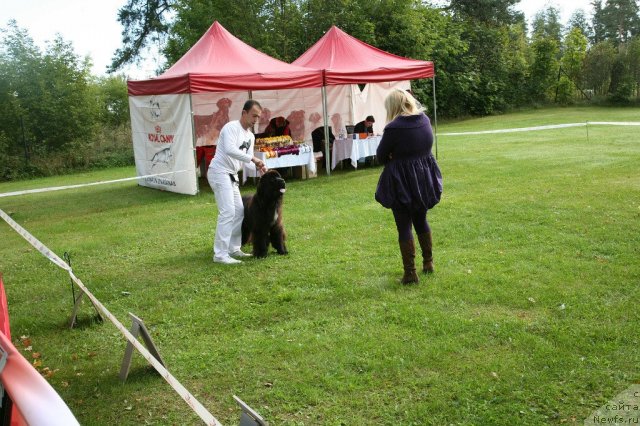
x=235 y=146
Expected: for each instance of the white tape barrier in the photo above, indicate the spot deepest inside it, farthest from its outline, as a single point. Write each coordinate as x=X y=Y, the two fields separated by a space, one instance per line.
x=173 y=382
x=615 y=123
x=552 y=126
x=35 y=242
x=483 y=132
x=58 y=188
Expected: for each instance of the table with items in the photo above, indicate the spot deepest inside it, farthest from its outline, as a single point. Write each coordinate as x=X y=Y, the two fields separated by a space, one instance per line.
x=354 y=147
x=279 y=152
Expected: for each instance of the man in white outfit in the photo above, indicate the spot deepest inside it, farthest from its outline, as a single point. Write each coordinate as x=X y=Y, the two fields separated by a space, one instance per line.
x=235 y=146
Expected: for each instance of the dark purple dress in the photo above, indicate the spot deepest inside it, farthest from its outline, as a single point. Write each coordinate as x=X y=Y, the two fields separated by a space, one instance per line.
x=411 y=178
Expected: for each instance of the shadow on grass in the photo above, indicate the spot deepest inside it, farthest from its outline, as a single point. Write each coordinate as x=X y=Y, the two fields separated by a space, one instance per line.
x=83 y=321
x=139 y=375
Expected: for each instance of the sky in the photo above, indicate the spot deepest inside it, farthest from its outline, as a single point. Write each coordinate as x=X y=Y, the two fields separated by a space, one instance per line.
x=93 y=29
x=566 y=8
x=90 y=25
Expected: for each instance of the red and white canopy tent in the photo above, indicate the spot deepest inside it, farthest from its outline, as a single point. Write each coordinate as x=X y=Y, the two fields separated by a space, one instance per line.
x=220 y=62
x=346 y=60
x=164 y=110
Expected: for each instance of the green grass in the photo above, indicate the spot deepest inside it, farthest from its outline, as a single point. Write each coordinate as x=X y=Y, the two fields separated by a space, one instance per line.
x=528 y=223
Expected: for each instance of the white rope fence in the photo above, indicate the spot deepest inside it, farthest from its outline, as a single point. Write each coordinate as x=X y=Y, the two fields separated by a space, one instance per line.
x=482 y=132
x=551 y=126
x=195 y=405
x=58 y=188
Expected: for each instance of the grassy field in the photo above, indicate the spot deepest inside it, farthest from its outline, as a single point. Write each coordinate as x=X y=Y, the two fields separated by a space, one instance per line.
x=531 y=317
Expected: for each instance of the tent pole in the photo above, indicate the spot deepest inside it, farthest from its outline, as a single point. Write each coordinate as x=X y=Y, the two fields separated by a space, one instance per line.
x=325 y=112
x=253 y=129
x=193 y=144
x=435 y=113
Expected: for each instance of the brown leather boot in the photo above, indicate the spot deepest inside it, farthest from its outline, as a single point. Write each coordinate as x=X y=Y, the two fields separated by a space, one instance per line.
x=427 y=254
x=408 y=250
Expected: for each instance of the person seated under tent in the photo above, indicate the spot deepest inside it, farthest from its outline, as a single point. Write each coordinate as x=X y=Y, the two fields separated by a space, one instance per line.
x=278 y=126
x=317 y=136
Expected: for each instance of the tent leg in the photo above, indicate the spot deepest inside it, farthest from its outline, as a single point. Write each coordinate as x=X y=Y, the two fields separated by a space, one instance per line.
x=326 y=130
x=193 y=143
x=435 y=114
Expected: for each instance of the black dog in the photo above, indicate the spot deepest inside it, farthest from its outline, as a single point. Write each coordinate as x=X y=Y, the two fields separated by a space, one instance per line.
x=262 y=221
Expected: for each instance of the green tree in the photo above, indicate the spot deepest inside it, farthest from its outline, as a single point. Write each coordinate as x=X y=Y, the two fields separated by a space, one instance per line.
x=634 y=62
x=352 y=16
x=113 y=100
x=517 y=66
x=598 y=65
x=47 y=100
x=575 y=51
x=624 y=72
x=543 y=69
x=621 y=20
x=143 y=22
x=572 y=62
x=283 y=37
x=598 y=33
x=486 y=29
x=564 y=91
x=546 y=24
x=492 y=12
x=274 y=27
x=580 y=21
x=19 y=58
x=399 y=27
x=64 y=110
x=448 y=50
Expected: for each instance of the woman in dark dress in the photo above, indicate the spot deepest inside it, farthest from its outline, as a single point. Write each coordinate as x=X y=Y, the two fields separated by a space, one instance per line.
x=410 y=183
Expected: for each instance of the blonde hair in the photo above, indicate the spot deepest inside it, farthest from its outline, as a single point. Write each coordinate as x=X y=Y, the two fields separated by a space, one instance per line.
x=399 y=102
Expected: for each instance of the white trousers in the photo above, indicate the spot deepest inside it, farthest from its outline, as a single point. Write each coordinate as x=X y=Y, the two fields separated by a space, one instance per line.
x=228 y=237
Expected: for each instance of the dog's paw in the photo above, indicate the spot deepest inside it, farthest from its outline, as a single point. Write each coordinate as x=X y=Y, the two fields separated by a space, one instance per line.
x=283 y=252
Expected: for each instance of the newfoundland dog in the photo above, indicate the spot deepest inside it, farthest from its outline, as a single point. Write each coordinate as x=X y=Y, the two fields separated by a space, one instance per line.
x=262 y=221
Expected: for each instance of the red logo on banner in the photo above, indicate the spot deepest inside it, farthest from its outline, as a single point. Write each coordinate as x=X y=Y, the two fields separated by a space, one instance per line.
x=159 y=137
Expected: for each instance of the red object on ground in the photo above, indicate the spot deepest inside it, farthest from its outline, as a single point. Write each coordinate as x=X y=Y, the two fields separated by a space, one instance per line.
x=347 y=60
x=4 y=315
x=33 y=400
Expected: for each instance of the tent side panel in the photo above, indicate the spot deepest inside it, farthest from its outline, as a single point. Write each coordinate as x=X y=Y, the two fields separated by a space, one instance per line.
x=340 y=108
x=370 y=101
x=163 y=142
x=301 y=107
x=212 y=110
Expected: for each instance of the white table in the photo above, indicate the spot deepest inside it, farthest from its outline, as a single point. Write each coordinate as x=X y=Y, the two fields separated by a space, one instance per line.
x=354 y=149
x=305 y=159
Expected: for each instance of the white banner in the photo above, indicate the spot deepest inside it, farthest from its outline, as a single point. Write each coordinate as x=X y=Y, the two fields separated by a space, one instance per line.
x=163 y=142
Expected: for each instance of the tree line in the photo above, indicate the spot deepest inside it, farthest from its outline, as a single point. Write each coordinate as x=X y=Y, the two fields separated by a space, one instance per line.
x=55 y=115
